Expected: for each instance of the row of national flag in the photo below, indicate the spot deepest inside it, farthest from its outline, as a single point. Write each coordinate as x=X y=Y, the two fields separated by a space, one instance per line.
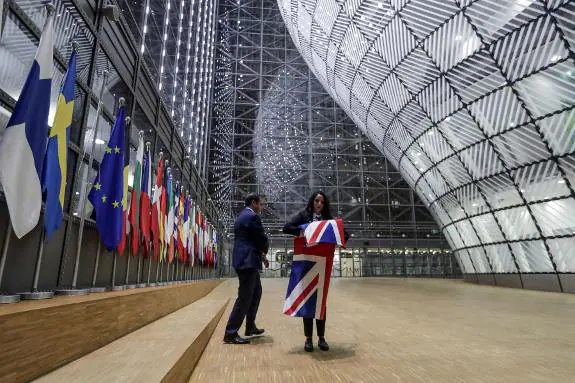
x=166 y=224
x=33 y=167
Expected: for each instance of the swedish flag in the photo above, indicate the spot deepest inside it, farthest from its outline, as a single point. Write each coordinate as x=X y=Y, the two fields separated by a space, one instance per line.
x=107 y=194
x=55 y=161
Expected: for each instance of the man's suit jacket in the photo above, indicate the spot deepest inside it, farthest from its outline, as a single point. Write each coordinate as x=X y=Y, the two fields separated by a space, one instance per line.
x=250 y=241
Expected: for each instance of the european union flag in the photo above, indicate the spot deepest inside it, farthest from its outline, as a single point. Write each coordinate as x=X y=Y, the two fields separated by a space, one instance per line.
x=23 y=144
x=55 y=162
x=108 y=190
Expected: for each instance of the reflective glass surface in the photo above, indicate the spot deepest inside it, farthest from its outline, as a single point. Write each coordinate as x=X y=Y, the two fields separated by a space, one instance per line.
x=473 y=101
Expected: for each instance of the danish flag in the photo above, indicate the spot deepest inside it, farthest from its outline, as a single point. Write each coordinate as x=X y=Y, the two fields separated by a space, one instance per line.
x=309 y=281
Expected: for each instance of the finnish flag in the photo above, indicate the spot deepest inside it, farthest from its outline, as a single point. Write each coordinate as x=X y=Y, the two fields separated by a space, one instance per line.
x=23 y=145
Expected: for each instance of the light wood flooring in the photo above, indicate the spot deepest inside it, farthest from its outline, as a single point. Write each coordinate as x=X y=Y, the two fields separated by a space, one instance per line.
x=405 y=330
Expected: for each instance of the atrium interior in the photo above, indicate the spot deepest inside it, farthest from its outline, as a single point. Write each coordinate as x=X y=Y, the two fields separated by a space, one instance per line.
x=136 y=136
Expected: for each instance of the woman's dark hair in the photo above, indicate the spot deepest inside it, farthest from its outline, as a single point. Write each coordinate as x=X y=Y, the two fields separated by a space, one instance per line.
x=326 y=211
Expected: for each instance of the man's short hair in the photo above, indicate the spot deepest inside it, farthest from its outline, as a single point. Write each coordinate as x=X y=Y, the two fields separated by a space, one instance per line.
x=251 y=198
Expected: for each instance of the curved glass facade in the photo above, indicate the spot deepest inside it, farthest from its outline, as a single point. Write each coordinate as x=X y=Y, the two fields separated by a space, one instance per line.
x=277 y=131
x=473 y=101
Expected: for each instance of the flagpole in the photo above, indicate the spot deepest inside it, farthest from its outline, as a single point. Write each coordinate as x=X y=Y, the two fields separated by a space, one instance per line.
x=35 y=294
x=159 y=270
x=149 y=218
x=114 y=287
x=139 y=256
x=130 y=255
x=74 y=290
x=155 y=283
x=95 y=289
x=157 y=280
x=149 y=270
x=6 y=298
x=128 y=121
x=176 y=217
x=168 y=272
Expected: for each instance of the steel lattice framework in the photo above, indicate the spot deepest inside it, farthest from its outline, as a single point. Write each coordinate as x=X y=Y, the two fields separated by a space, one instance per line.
x=176 y=39
x=474 y=102
x=277 y=131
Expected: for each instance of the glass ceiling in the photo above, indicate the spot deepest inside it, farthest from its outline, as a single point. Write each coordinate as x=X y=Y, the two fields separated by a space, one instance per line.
x=473 y=101
x=277 y=131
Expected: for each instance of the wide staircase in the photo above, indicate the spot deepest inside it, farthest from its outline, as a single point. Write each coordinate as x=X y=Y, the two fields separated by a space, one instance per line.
x=146 y=335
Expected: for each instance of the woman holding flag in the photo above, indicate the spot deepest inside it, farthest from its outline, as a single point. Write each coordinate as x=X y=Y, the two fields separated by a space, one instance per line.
x=317 y=209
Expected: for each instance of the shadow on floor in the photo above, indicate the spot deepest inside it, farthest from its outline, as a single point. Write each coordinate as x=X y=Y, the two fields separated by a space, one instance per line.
x=336 y=352
x=262 y=339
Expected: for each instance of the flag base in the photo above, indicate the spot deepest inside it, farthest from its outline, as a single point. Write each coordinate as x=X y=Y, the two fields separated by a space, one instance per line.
x=142 y=285
x=130 y=287
x=72 y=292
x=118 y=288
x=9 y=298
x=37 y=295
x=98 y=290
x=152 y=284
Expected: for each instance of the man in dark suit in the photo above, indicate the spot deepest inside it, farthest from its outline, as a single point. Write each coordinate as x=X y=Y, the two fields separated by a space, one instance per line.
x=250 y=248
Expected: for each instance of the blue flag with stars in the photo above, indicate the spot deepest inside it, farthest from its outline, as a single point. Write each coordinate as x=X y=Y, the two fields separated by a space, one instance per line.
x=108 y=189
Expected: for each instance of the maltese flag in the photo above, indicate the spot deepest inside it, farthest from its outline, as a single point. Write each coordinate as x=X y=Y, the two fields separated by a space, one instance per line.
x=23 y=145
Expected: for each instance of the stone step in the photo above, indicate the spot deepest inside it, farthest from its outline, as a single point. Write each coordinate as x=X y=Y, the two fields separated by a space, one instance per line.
x=166 y=350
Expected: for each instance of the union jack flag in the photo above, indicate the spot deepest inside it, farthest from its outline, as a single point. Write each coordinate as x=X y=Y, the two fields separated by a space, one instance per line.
x=309 y=281
x=328 y=231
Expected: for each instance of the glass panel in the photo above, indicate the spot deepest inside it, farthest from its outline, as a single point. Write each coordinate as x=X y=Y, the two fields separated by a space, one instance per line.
x=487 y=228
x=465 y=261
x=477 y=255
x=82 y=189
x=501 y=258
x=554 y=217
x=563 y=254
x=4 y=118
x=517 y=223
x=68 y=26
x=114 y=89
x=532 y=257
x=102 y=136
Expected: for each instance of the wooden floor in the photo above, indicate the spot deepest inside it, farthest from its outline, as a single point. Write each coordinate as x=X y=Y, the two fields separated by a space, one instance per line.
x=397 y=330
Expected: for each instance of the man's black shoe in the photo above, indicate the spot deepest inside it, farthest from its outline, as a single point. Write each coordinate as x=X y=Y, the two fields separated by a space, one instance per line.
x=235 y=339
x=322 y=344
x=255 y=331
x=308 y=345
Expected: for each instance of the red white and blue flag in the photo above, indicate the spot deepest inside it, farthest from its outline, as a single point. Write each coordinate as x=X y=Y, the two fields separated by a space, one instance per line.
x=328 y=231
x=311 y=269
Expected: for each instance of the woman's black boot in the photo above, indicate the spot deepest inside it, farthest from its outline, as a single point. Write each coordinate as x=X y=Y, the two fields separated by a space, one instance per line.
x=322 y=344
x=308 y=345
